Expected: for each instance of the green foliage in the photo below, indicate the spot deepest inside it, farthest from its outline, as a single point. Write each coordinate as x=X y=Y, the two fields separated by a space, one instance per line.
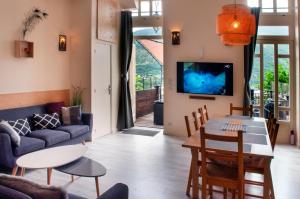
x=268 y=60
x=148 y=69
x=139 y=83
x=77 y=96
x=283 y=78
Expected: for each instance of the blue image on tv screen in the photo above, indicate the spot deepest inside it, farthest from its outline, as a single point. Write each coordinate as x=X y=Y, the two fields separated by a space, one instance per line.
x=204 y=79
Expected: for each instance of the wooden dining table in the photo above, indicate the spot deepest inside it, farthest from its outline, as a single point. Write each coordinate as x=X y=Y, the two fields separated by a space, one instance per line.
x=256 y=144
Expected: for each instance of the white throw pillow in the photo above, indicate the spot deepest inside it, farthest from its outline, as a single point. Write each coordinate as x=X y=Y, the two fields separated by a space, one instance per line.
x=14 y=136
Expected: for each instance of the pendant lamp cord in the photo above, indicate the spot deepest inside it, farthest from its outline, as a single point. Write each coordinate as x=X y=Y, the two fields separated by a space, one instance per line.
x=235 y=16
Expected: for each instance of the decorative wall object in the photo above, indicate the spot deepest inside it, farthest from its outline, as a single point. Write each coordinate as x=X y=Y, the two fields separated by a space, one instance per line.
x=23 y=49
x=236 y=25
x=62 y=43
x=175 y=37
x=34 y=17
x=107 y=20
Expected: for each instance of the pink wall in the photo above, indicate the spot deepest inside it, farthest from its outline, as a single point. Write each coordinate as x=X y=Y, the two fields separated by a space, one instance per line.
x=199 y=42
x=49 y=69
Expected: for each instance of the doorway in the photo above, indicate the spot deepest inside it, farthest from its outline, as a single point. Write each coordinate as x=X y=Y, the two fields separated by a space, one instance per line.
x=101 y=89
x=148 y=55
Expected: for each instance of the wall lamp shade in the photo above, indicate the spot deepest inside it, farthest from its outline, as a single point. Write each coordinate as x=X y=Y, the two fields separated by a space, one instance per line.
x=236 y=25
x=62 y=43
x=175 y=37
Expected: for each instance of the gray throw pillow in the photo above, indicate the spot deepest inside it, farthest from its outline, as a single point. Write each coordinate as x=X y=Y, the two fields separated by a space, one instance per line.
x=32 y=189
x=71 y=115
x=14 y=136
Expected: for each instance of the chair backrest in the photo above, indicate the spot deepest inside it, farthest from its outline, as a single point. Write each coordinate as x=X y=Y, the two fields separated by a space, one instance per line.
x=222 y=155
x=188 y=127
x=273 y=133
x=248 y=109
x=198 y=120
x=204 y=113
x=270 y=121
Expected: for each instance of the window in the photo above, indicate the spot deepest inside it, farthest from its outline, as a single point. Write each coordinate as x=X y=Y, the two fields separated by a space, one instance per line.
x=271 y=6
x=270 y=80
x=148 y=8
x=147 y=31
x=273 y=31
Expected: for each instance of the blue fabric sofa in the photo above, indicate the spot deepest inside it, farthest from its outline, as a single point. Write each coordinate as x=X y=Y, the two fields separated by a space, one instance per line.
x=40 y=139
x=118 y=191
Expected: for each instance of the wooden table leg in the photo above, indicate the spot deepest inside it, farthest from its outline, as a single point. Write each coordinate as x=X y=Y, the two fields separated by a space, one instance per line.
x=22 y=172
x=97 y=186
x=195 y=171
x=14 y=171
x=271 y=187
x=267 y=165
x=49 y=174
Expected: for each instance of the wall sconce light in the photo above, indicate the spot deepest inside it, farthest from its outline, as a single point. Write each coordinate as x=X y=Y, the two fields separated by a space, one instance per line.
x=175 y=37
x=62 y=43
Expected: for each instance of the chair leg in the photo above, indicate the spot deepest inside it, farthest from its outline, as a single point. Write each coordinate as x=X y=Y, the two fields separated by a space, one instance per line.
x=203 y=190
x=241 y=193
x=210 y=188
x=189 y=184
x=271 y=184
x=225 y=193
x=232 y=194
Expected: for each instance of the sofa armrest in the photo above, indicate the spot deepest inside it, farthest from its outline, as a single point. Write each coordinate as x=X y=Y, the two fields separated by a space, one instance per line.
x=8 y=193
x=87 y=119
x=6 y=154
x=118 y=191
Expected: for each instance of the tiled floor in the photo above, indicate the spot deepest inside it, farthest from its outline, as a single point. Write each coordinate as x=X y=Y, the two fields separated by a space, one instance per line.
x=157 y=168
x=147 y=121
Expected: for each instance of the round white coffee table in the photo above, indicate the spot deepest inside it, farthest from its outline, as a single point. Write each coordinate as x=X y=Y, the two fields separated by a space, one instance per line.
x=50 y=158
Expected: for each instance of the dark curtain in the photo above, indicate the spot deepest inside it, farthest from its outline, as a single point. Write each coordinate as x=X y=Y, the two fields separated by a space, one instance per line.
x=125 y=119
x=249 y=52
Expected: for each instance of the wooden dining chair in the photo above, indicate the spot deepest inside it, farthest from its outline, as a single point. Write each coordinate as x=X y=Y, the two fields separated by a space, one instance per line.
x=198 y=120
x=270 y=121
x=248 y=109
x=213 y=174
x=273 y=133
x=256 y=165
x=190 y=132
x=204 y=113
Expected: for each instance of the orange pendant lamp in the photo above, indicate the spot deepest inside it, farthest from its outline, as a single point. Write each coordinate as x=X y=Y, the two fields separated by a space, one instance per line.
x=236 y=25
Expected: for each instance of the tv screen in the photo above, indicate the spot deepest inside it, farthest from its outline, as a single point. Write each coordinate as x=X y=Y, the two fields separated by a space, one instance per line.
x=205 y=78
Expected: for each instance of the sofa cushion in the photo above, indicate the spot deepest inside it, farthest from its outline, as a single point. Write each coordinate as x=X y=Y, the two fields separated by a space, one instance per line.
x=54 y=107
x=33 y=189
x=46 y=121
x=14 y=136
x=51 y=137
x=75 y=130
x=71 y=115
x=28 y=145
x=21 y=126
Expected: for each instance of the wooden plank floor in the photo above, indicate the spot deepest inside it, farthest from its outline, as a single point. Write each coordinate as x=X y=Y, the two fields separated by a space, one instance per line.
x=157 y=168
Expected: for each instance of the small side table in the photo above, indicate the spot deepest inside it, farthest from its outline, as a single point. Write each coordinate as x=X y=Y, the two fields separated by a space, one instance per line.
x=84 y=167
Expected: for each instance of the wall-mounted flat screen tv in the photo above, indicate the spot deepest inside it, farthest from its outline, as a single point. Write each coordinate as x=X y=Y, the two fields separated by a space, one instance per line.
x=205 y=78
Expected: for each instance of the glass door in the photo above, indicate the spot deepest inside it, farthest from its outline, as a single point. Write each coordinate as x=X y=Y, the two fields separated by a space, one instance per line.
x=270 y=81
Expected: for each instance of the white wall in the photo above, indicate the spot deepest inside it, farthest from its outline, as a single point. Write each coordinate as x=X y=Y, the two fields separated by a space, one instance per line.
x=49 y=69
x=80 y=60
x=115 y=70
x=199 y=42
x=297 y=56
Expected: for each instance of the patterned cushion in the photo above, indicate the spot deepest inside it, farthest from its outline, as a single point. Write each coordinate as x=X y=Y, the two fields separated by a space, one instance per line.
x=21 y=126
x=71 y=115
x=46 y=121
